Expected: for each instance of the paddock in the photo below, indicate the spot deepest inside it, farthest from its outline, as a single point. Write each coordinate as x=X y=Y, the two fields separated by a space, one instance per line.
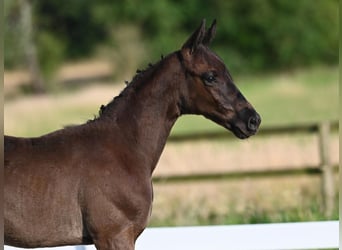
x=286 y=236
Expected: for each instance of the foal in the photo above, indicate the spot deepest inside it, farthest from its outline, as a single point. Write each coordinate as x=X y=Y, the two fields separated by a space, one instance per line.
x=92 y=183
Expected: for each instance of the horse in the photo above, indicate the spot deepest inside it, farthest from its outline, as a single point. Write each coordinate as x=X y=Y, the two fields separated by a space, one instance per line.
x=92 y=183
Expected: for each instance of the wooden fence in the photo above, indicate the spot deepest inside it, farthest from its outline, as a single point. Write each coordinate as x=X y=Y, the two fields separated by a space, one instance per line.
x=325 y=168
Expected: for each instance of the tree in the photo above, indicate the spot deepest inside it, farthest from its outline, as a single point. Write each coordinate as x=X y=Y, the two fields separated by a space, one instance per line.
x=29 y=45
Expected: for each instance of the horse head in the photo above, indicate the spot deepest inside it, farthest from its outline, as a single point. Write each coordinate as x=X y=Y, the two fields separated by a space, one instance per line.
x=210 y=90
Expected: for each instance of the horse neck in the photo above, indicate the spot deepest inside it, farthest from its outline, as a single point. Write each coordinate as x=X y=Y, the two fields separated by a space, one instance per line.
x=146 y=111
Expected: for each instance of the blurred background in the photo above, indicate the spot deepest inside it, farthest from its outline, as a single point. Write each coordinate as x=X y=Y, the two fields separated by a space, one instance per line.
x=63 y=59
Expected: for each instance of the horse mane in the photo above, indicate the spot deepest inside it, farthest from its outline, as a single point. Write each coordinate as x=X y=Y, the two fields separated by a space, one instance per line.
x=130 y=86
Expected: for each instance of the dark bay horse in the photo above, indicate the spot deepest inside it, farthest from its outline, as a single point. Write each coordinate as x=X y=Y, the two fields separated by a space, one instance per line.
x=92 y=183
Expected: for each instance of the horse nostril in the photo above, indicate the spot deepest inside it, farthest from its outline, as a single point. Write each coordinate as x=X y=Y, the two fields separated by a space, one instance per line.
x=253 y=123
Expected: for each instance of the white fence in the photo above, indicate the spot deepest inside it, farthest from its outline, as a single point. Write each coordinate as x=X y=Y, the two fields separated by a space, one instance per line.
x=301 y=235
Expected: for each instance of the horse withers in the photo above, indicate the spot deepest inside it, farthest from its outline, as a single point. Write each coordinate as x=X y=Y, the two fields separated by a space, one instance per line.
x=91 y=184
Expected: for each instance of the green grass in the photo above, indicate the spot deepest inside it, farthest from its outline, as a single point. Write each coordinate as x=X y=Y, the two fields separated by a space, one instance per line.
x=243 y=201
x=253 y=215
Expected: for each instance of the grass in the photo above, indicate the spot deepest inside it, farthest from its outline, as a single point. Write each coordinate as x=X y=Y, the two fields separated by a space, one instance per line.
x=42 y=114
x=244 y=201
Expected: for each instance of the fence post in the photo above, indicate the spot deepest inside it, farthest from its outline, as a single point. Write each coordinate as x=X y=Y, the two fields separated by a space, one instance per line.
x=327 y=176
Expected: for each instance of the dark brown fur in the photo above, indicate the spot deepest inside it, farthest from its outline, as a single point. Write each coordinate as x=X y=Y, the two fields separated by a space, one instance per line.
x=92 y=183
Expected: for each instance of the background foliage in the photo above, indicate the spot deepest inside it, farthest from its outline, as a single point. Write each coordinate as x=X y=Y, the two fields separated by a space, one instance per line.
x=253 y=35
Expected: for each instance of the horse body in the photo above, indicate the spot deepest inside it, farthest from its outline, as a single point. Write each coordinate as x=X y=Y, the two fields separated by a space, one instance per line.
x=92 y=183
x=94 y=163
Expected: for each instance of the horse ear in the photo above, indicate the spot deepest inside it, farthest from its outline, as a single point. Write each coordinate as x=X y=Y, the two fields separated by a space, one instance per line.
x=210 y=34
x=196 y=38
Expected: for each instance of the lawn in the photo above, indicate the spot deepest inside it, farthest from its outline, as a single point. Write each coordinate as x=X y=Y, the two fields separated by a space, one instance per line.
x=242 y=201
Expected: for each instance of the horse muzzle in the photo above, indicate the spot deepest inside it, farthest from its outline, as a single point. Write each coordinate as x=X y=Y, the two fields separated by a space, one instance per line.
x=246 y=125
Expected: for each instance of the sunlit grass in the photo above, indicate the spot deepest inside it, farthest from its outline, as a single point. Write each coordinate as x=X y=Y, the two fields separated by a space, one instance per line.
x=37 y=115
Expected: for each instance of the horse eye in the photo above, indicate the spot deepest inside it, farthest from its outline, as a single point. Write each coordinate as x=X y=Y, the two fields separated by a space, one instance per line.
x=209 y=77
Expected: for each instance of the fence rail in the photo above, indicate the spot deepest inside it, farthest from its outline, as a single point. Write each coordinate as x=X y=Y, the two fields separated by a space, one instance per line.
x=286 y=236
x=322 y=129
x=284 y=171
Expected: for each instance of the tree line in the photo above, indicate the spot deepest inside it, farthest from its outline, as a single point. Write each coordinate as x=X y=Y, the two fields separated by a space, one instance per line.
x=253 y=35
